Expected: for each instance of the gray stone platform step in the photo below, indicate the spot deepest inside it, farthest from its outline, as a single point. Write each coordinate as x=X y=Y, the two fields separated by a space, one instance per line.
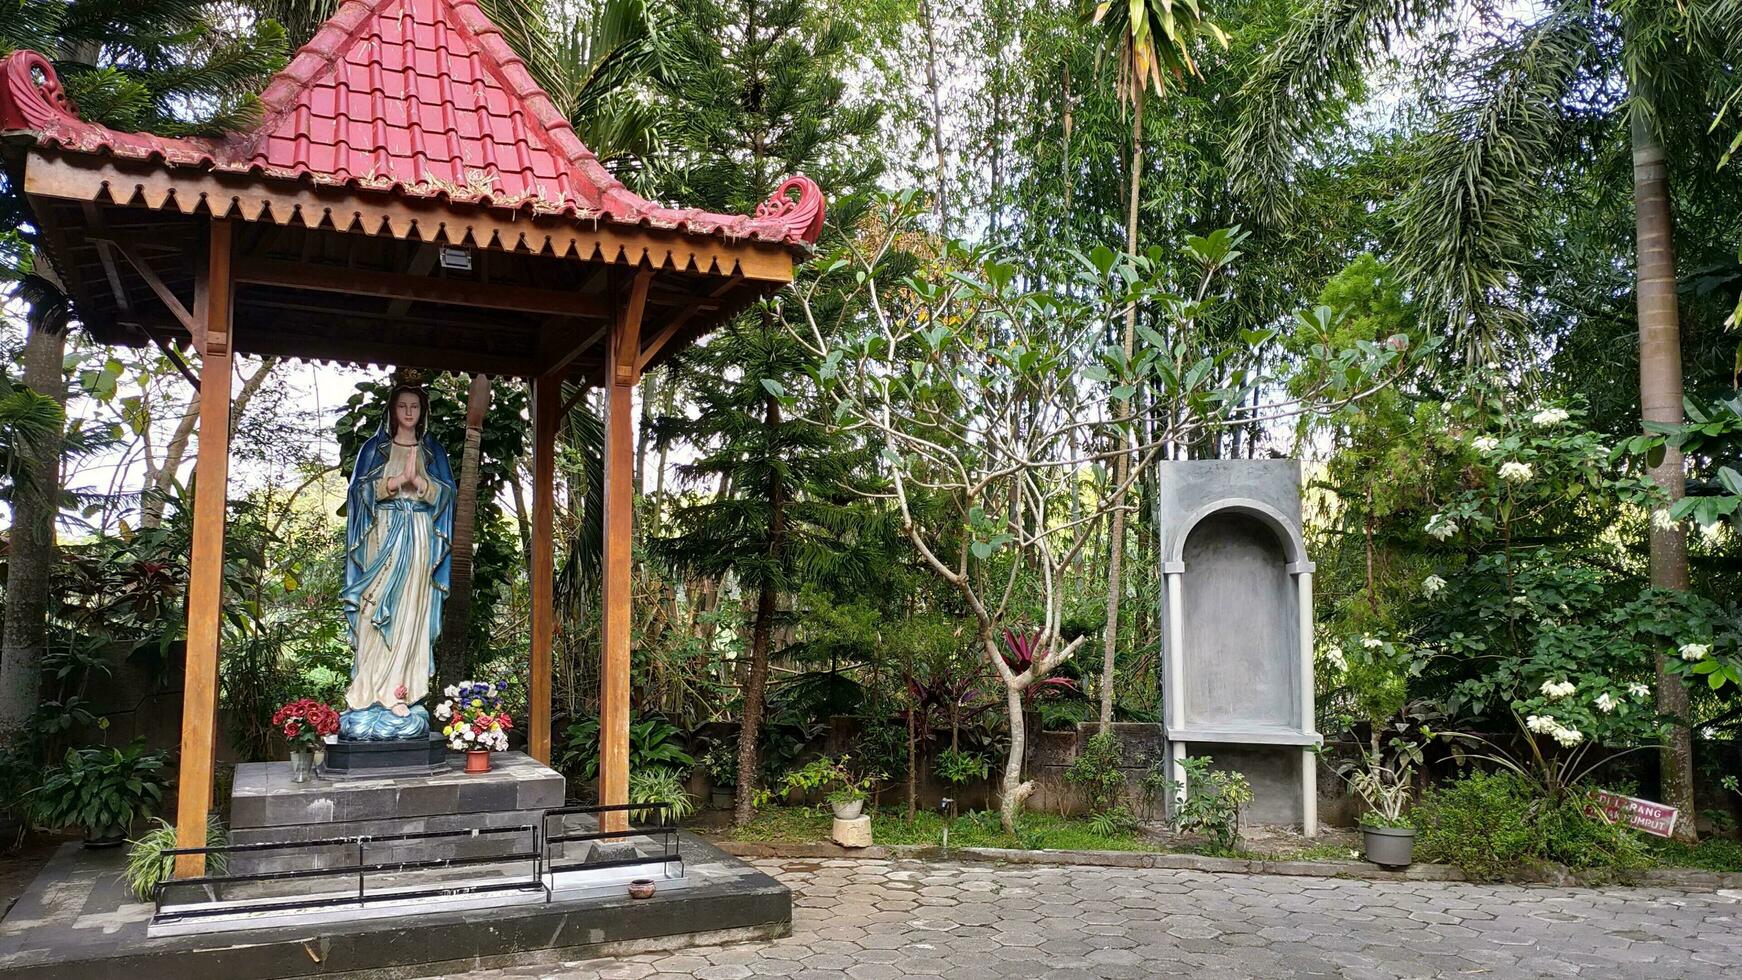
x=267 y=807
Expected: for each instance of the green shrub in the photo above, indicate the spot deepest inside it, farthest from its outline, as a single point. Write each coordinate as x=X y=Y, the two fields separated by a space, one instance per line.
x=660 y=785
x=1495 y=826
x=1212 y=802
x=1096 y=770
x=101 y=789
x=1114 y=821
x=147 y=864
x=1482 y=823
x=957 y=767
x=653 y=741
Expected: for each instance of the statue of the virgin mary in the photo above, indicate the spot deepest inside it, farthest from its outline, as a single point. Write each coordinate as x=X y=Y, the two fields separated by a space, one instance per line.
x=399 y=524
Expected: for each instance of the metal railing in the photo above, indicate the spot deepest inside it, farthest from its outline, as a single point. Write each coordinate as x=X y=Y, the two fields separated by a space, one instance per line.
x=664 y=828
x=543 y=856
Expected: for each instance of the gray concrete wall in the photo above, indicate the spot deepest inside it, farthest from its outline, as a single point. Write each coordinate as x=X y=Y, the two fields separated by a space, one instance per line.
x=1242 y=646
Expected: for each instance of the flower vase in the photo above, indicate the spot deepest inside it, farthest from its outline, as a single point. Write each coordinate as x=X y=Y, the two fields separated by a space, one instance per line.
x=477 y=760
x=302 y=765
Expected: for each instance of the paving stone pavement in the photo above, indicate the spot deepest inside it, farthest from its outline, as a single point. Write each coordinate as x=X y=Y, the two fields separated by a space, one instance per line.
x=882 y=920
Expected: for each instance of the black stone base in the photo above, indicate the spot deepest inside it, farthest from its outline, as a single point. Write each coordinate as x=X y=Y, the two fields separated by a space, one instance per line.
x=394 y=757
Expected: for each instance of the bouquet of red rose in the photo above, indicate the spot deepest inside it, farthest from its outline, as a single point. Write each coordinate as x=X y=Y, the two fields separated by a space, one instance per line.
x=306 y=722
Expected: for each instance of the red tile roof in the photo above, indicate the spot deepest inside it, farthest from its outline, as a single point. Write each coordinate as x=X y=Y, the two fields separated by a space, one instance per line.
x=422 y=98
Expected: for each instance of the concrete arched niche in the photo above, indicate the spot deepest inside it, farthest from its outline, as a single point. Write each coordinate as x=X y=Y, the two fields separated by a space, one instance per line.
x=1241 y=622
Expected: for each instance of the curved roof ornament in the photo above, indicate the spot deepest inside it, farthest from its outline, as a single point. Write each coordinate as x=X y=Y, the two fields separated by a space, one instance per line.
x=28 y=101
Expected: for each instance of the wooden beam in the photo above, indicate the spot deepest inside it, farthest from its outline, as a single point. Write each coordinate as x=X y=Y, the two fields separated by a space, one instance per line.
x=170 y=300
x=422 y=289
x=621 y=377
x=546 y=393
x=421 y=263
x=626 y=337
x=651 y=349
x=123 y=305
x=564 y=355
x=284 y=338
x=170 y=352
x=199 y=712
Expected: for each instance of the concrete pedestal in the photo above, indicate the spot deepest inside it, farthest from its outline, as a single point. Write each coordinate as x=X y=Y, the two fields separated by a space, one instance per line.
x=266 y=806
x=852 y=833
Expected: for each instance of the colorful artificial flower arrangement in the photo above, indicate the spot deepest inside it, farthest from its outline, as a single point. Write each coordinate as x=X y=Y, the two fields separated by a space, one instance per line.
x=473 y=717
x=306 y=723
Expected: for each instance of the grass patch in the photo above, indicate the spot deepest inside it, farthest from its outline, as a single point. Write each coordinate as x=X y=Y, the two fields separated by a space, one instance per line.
x=1711 y=854
x=1034 y=831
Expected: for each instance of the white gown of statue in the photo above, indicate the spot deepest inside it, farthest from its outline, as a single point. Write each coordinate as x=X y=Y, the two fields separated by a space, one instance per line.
x=398 y=656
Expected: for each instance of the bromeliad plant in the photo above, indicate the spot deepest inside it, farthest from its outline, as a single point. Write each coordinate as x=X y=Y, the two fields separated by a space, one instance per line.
x=474 y=717
x=1384 y=785
x=306 y=723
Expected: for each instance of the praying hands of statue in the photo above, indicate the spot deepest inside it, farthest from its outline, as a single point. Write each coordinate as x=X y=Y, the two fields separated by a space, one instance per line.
x=407 y=477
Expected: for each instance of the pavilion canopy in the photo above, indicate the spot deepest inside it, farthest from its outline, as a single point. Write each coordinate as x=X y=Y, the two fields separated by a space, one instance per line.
x=409 y=197
x=401 y=127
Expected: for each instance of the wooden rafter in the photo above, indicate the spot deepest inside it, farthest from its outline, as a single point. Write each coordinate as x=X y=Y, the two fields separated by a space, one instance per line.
x=167 y=296
x=399 y=286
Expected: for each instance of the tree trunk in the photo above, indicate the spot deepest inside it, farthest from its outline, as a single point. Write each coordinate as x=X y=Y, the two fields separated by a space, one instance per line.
x=1122 y=462
x=937 y=118
x=159 y=478
x=457 y=612
x=912 y=761
x=756 y=686
x=35 y=502
x=1660 y=400
x=1014 y=790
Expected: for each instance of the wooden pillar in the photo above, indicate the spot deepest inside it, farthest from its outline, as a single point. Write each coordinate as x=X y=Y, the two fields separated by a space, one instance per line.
x=199 y=713
x=622 y=373
x=546 y=404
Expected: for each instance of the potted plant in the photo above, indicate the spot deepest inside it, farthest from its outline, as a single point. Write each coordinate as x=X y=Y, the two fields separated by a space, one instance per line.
x=475 y=722
x=721 y=762
x=306 y=723
x=102 y=790
x=1387 y=832
x=850 y=788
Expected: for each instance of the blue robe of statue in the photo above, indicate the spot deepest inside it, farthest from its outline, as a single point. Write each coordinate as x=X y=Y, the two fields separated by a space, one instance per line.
x=398 y=556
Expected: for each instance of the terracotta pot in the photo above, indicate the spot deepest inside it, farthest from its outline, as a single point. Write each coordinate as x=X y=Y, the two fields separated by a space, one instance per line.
x=641 y=888
x=478 y=760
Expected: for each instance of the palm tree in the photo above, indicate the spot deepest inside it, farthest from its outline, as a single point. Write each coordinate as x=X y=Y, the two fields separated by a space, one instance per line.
x=135 y=66
x=457 y=612
x=1155 y=39
x=1465 y=225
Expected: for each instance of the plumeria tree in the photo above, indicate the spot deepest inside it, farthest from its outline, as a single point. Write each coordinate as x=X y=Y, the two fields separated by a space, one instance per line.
x=977 y=393
x=1534 y=619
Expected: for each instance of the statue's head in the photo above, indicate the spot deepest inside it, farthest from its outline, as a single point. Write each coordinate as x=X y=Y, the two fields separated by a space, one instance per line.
x=408 y=410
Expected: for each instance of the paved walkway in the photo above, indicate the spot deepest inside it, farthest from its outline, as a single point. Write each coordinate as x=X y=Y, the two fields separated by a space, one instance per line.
x=880 y=920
